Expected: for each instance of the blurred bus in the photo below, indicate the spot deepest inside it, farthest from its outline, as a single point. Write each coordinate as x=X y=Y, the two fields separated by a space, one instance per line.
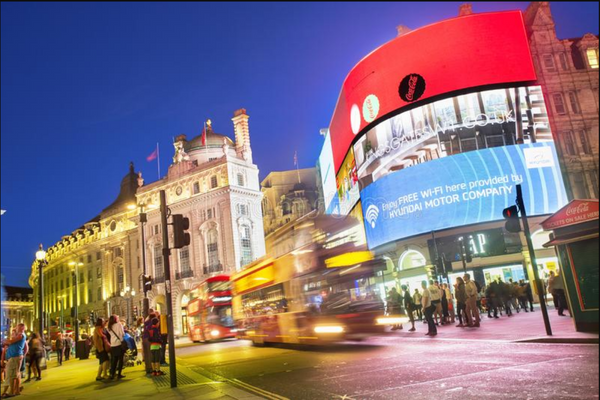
x=328 y=288
x=209 y=310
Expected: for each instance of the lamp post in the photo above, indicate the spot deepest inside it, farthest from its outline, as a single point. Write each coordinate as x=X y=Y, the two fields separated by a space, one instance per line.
x=128 y=293
x=61 y=325
x=143 y=221
x=75 y=271
x=40 y=256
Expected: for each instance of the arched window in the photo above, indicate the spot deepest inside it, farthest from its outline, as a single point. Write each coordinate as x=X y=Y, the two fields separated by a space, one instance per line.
x=212 y=248
x=246 y=244
x=411 y=259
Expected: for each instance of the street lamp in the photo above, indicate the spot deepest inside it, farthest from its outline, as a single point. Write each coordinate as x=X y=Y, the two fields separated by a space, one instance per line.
x=40 y=256
x=143 y=221
x=128 y=293
x=75 y=272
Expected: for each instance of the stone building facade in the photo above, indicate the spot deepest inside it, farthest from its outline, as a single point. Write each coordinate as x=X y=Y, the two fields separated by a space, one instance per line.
x=17 y=308
x=213 y=182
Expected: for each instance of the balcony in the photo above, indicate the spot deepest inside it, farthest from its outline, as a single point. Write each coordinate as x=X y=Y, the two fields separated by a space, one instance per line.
x=184 y=274
x=211 y=269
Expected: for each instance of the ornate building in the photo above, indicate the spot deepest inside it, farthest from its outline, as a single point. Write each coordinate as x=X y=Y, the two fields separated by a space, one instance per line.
x=213 y=182
x=100 y=259
x=567 y=70
x=17 y=307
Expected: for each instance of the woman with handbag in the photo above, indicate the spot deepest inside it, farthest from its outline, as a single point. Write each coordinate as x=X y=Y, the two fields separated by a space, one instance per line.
x=102 y=346
x=118 y=346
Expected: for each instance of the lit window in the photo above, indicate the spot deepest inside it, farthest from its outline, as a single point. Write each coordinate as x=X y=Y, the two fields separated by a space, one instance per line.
x=246 y=244
x=559 y=104
x=158 y=261
x=592 y=55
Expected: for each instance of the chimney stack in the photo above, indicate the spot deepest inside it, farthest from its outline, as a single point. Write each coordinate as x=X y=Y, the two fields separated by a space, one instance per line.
x=465 y=9
x=242 y=134
x=402 y=29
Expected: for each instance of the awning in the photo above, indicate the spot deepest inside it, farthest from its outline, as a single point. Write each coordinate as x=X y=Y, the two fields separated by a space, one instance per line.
x=571 y=238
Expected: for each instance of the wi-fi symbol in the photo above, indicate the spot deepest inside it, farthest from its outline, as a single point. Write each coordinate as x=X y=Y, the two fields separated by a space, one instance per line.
x=372 y=214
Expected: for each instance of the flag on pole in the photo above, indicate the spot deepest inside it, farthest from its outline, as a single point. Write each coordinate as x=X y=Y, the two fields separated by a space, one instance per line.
x=152 y=156
x=204 y=135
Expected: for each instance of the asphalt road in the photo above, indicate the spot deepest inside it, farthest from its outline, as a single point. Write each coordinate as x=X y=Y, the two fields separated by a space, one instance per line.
x=395 y=368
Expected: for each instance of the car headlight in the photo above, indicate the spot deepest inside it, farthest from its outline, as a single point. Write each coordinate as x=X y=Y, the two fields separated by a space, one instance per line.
x=215 y=333
x=329 y=329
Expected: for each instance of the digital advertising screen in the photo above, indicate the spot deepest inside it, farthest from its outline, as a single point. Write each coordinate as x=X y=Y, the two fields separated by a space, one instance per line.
x=466 y=188
x=327 y=172
x=348 y=192
x=470 y=51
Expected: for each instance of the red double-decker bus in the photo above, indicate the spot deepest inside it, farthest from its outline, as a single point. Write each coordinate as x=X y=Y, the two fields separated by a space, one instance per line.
x=209 y=312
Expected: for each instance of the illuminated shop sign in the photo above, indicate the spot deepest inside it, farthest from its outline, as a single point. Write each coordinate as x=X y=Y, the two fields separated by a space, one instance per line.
x=221 y=299
x=456 y=54
x=466 y=188
x=348 y=192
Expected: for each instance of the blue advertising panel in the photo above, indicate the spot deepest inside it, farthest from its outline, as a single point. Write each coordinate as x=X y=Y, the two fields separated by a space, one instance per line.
x=463 y=189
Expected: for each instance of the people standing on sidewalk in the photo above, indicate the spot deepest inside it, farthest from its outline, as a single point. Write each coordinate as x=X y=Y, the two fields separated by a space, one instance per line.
x=435 y=295
x=450 y=300
x=145 y=341
x=417 y=300
x=68 y=346
x=522 y=295
x=102 y=346
x=59 y=345
x=559 y=291
x=36 y=352
x=471 y=308
x=529 y=293
x=409 y=306
x=15 y=354
x=164 y=334
x=394 y=302
x=115 y=329
x=551 y=280
x=428 y=309
x=461 y=301
x=156 y=344
x=493 y=295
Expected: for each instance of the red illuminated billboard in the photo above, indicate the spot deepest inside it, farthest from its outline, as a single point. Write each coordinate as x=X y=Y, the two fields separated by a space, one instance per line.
x=465 y=52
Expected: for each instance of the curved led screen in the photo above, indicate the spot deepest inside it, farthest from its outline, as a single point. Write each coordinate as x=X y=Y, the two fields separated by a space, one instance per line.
x=463 y=189
x=460 y=53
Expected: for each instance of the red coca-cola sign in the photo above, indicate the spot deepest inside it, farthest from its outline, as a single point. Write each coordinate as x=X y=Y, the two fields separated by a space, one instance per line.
x=576 y=212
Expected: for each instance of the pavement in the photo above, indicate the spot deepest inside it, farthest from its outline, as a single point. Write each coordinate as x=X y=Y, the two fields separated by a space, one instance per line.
x=75 y=379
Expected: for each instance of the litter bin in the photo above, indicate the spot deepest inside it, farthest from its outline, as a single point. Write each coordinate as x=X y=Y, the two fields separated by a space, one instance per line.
x=82 y=350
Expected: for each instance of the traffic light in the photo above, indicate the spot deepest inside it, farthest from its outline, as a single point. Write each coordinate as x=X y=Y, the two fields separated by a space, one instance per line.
x=180 y=237
x=511 y=215
x=147 y=284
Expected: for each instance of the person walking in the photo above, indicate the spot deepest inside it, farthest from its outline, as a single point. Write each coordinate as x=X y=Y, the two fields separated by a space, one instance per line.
x=394 y=302
x=68 y=346
x=428 y=309
x=461 y=302
x=417 y=300
x=145 y=341
x=529 y=293
x=59 y=345
x=559 y=292
x=492 y=294
x=36 y=352
x=409 y=306
x=15 y=354
x=471 y=306
x=522 y=295
x=115 y=329
x=436 y=299
x=102 y=346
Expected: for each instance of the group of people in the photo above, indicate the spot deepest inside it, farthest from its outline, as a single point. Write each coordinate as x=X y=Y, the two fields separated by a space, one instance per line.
x=440 y=304
x=112 y=342
x=14 y=351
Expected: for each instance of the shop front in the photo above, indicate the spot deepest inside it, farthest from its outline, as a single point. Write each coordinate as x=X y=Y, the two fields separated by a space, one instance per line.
x=575 y=237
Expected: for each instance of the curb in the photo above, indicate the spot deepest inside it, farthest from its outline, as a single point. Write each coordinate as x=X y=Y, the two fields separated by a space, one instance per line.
x=559 y=340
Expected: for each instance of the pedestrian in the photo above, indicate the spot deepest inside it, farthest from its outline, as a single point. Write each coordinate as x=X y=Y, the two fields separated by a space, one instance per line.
x=5 y=385
x=116 y=349
x=551 y=280
x=492 y=294
x=102 y=346
x=14 y=356
x=444 y=302
x=514 y=295
x=164 y=334
x=68 y=346
x=461 y=301
x=59 y=345
x=471 y=306
x=394 y=302
x=417 y=300
x=529 y=293
x=428 y=309
x=156 y=344
x=47 y=348
x=145 y=341
x=36 y=352
x=435 y=294
x=24 y=361
x=450 y=298
x=409 y=306
x=522 y=295
x=559 y=292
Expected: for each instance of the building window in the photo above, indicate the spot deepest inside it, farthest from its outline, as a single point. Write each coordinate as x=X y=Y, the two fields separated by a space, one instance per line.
x=89 y=299
x=574 y=103
x=549 y=63
x=118 y=252
x=209 y=213
x=89 y=275
x=592 y=56
x=242 y=209
x=212 y=248
x=156 y=229
x=184 y=259
x=240 y=179
x=196 y=187
x=89 y=258
x=563 y=62
x=158 y=261
x=213 y=182
x=559 y=104
x=61 y=285
x=81 y=278
x=569 y=142
x=98 y=272
x=585 y=144
x=99 y=294
x=246 y=244
x=98 y=256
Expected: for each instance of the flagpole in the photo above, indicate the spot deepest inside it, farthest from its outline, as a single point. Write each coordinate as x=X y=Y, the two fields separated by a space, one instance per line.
x=158 y=160
x=296 y=162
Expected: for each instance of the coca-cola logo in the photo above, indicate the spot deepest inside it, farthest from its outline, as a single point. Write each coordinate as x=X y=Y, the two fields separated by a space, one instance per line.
x=580 y=209
x=411 y=88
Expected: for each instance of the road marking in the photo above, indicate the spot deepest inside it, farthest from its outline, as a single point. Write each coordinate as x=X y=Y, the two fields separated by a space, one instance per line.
x=260 y=391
